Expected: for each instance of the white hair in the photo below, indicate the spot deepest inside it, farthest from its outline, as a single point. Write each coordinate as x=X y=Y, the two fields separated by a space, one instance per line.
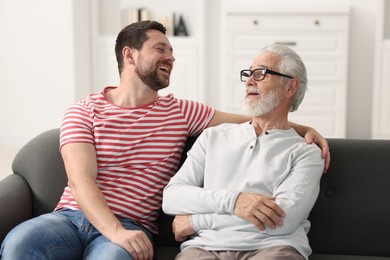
x=290 y=64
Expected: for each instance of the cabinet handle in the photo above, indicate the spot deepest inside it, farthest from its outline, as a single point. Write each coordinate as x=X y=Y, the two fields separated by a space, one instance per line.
x=286 y=43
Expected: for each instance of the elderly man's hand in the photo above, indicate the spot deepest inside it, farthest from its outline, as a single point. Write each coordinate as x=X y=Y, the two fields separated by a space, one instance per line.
x=258 y=209
x=182 y=227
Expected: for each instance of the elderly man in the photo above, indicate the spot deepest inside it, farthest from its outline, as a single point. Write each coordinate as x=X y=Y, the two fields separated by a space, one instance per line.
x=246 y=190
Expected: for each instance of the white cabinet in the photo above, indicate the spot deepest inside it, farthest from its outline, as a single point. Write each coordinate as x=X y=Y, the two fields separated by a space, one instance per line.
x=381 y=95
x=381 y=98
x=320 y=38
x=187 y=78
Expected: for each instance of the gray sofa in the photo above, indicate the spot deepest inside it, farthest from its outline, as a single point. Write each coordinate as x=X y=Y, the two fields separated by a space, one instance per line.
x=350 y=220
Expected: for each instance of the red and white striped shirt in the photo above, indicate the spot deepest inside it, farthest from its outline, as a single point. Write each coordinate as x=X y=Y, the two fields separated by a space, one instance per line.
x=138 y=149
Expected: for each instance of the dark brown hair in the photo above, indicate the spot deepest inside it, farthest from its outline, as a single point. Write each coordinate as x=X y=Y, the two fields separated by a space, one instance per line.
x=134 y=36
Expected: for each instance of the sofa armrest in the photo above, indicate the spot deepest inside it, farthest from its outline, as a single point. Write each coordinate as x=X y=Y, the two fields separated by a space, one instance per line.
x=15 y=203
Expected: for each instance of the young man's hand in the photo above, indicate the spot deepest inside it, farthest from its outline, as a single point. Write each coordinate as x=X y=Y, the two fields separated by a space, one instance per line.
x=313 y=136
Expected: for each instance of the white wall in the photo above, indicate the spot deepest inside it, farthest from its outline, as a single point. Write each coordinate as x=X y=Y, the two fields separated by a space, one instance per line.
x=42 y=70
x=37 y=66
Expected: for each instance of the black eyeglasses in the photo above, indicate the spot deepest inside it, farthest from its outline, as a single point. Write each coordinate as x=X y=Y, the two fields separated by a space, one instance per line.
x=259 y=74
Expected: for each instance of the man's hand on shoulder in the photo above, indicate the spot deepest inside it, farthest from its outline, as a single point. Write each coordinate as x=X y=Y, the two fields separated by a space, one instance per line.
x=312 y=136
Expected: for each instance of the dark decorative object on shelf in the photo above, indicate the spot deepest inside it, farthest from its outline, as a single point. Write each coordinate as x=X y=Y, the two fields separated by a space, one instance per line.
x=180 y=27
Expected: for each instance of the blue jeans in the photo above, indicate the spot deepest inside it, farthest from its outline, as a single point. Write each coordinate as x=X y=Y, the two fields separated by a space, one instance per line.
x=64 y=234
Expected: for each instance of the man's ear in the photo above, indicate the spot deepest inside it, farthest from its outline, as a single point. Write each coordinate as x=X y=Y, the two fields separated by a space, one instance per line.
x=128 y=55
x=292 y=87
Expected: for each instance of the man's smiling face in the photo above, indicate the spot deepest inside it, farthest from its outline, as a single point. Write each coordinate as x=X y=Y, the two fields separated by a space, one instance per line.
x=155 y=61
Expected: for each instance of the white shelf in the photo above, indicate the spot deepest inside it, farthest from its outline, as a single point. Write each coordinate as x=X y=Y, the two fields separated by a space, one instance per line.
x=187 y=78
x=107 y=14
x=256 y=7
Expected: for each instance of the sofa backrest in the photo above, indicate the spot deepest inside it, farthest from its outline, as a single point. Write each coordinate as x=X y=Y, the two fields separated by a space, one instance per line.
x=352 y=212
x=351 y=215
x=41 y=165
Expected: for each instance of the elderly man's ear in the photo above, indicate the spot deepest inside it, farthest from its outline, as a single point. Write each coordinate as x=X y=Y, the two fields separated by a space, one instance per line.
x=292 y=87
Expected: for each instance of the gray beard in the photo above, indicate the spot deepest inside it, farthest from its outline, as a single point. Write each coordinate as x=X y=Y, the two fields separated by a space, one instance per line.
x=263 y=106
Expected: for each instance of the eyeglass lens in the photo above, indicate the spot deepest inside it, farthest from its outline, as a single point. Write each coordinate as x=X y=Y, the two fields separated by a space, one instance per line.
x=258 y=74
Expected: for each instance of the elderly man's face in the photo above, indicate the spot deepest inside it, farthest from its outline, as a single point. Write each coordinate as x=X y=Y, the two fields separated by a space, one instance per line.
x=265 y=95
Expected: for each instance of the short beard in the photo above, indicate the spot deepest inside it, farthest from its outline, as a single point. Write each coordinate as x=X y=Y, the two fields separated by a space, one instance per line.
x=152 y=80
x=264 y=105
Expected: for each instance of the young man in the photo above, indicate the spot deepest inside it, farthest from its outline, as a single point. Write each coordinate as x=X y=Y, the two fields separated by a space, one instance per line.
x=246 y=190
x=120 y=148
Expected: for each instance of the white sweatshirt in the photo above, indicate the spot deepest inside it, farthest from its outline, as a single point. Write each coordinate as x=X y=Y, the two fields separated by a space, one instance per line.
x=229 y=159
